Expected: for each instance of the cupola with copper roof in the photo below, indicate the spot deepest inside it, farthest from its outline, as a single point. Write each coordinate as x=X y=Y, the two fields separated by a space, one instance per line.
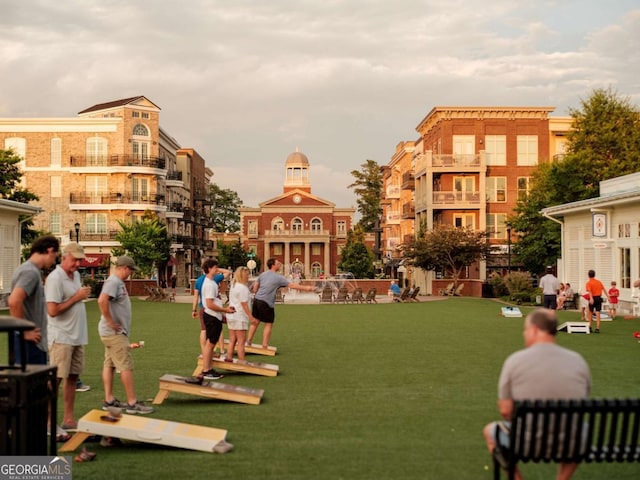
x=297 y=173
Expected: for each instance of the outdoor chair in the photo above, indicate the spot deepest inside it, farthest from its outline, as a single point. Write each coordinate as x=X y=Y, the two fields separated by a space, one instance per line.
x=448 y=290
x=371 y=296
x=458 y=291
x=326 y=296
x=356 y=296
x=413 y=296
x=402 y=297
x=343 y=295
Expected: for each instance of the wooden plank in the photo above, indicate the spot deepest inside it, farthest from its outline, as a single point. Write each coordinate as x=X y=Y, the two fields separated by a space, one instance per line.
x=253 y=368
x=141 y=428
x=257 y=349
x=220 y=391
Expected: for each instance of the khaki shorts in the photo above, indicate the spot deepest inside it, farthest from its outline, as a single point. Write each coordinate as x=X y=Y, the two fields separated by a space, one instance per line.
x=68 y=358
x=117 y=352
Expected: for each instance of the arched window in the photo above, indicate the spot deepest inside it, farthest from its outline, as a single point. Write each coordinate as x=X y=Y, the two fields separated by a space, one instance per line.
x=140 y=141
x=316 y=270
x=277 y=225
x=316 y=225
x=296 y=225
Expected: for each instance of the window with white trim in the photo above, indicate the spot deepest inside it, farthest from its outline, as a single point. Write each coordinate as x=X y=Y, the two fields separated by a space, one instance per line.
x=17 y=144
x=464 y=220
x=496 y=189
x=495 y=147
x=253 y=227
x=296 y=249
x=316 y=249
x=277 y=225
x=95 y=186
x=527 y=150
x=316 y=225
x=341 y=227
x=56 y=186
x=96 y=223
x=56 y=152
x=96 y=151
x=625 y=268
x=296 y=225
x=55 y=225
x=523 y=187
x=497 y=226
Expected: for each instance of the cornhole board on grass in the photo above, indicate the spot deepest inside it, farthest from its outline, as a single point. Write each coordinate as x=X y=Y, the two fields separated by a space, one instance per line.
x=257 y=348
x=574 y=327
x=221 y=391
x=254 y=368
x=148 y=430
x=511 y=312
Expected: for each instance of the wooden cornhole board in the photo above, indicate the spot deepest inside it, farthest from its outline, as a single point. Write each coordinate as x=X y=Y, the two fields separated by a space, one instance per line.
x=511 y=312
x=254 y=368
x=257 y=349
x=140 y=428
x=221 y=391
x=575 y=327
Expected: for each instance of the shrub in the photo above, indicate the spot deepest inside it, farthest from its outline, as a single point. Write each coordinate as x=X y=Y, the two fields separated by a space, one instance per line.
x=518 y=283
x=497 y=283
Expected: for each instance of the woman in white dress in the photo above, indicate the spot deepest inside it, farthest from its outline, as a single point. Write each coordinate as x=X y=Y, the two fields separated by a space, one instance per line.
x=238 y=322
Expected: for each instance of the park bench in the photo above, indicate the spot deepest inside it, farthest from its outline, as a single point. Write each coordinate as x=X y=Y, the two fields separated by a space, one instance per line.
x=571 y=431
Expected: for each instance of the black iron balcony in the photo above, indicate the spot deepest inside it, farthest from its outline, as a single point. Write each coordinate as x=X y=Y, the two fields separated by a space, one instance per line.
x=408 y=181
x=120 y=160
x=110 y=198
x=174 y=176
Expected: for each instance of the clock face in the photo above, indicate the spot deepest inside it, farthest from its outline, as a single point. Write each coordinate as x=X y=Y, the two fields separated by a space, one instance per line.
x=297 y=198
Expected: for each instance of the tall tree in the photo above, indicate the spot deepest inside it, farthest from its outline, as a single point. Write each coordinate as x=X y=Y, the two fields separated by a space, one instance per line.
x=225 y=210
x=368 y=187
x=10 y=189
x=447 y=248
x=232 y=254
x=604 y=143
x=356 y=257
x=146 y=241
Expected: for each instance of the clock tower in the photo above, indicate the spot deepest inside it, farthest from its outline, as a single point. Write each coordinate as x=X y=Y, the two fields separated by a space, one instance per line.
x=297 y=173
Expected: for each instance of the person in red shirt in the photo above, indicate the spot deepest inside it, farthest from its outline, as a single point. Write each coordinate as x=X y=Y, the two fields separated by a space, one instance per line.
x=613 y=294
x=595 y=289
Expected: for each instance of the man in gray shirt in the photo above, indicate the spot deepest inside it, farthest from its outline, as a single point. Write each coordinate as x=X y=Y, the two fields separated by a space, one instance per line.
x=550 y=286
x=542 y=371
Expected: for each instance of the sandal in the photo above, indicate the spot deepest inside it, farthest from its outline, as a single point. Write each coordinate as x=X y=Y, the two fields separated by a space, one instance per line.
x=62 y=437
x=229 y=360
x=85 y=456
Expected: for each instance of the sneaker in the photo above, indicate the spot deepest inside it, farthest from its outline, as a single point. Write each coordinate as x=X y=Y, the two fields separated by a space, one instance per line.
x=194 y=380
x=113 y=403
x=597 y=330
x=138 y=407
x=81 y=387
x=211 y=375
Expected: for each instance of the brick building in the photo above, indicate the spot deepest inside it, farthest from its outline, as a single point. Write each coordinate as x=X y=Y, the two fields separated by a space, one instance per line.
x=468 y=168
x=111 y=164
x=305 y=232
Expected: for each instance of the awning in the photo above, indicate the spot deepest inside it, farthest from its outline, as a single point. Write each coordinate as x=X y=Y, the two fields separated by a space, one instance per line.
x=96 y=260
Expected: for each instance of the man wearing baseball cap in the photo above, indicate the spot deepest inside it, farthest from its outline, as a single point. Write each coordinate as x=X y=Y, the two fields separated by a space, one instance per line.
x=114 y=329
x=67 y=325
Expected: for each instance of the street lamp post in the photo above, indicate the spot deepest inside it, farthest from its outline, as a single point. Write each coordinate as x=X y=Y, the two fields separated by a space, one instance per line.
x=77 y=227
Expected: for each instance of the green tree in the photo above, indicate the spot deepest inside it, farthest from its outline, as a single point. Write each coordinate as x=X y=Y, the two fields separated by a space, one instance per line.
x=447 y=248
x=10 y=189
x=225 y=210
x=604 y=143
x=368 y=187
x=356 y=257
x=232 y=254
x=146 y=241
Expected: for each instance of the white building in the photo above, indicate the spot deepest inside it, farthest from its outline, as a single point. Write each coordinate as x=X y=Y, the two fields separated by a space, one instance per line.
x=602 y=234
x=10 y=241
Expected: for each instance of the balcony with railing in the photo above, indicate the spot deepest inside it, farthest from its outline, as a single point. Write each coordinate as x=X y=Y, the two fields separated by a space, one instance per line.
x=453 y=199
x=114 y=200
x=393 y=191
x=392 y=217
x=408 y=181
x=307 y=232
x=98 y=236
x=174 y=179
x=450 y=162
x=120 y=160
x=408 y=210
x=174 y=210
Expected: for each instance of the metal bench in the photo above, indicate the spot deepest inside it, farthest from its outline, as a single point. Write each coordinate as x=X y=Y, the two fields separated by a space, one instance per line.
x=571 y=431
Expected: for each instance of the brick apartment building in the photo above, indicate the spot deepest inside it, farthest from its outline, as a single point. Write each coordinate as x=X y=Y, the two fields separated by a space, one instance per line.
x=468 y=168
x=305 y=232
x=111 y=164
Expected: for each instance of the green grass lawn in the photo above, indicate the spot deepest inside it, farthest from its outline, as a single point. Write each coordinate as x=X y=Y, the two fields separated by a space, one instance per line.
x=392 y=391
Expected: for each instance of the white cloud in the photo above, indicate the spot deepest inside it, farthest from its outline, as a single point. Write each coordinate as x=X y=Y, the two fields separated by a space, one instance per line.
x=245 y=82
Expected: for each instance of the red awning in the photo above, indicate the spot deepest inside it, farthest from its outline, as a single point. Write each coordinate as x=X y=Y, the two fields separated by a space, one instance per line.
x=96 y=260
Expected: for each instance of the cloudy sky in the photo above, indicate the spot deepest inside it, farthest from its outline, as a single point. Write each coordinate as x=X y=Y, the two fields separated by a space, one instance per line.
x=245 y=82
